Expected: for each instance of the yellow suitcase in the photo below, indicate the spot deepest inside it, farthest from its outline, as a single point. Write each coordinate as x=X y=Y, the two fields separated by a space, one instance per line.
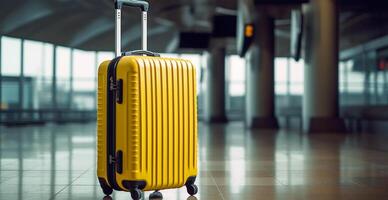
x=146 y=120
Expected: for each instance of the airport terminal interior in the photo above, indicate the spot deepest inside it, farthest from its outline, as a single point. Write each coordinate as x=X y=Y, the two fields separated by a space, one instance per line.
x=292 y=95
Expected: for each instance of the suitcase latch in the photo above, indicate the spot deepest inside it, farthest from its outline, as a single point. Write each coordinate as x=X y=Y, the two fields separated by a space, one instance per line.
x=119 y=162
x=119 y=91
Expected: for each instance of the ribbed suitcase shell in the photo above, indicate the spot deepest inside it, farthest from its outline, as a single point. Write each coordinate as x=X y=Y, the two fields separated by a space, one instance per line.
x=156 y=124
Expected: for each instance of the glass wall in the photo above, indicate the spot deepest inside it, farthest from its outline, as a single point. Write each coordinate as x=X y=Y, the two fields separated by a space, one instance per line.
x=289 y=84
x=28 y=73
x=84 y=73
x=32 y=72
x=63 y=74
x=235 y=86
x=27 y=82
x=10 y=71
x=363 y=82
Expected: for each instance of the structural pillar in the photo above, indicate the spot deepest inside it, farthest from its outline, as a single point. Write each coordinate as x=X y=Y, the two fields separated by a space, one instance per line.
x=54 y=80
x=1 y=79
x=215 y=84
x=260 y=97
x=320 y=100
x=71 y=90
x=21 y=81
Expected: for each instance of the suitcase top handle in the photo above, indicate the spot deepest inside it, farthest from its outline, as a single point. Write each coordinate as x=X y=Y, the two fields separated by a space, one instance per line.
x=140 y=53
x=143 y=5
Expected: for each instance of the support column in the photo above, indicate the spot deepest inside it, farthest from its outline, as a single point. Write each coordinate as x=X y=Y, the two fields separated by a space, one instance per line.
x=54 y=79
x=1 y=79
x=321 y=91
x=385 y=89
x=21 y=77
x=215 y=84
x=95 y=78
x=260 y=97
x=71 y=79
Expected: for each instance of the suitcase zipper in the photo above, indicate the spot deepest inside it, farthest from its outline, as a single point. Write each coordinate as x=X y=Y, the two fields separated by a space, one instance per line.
x=112 y=159
x=111 y=119
x=117 y=87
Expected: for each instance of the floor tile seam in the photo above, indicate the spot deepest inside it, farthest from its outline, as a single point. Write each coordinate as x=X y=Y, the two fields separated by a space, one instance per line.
x=218 y=189
x=67 y=186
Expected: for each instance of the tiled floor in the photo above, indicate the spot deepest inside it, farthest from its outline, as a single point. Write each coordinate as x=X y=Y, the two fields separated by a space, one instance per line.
x=58 y=162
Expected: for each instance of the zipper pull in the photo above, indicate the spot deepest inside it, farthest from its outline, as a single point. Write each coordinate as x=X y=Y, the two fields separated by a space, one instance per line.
x=112 y=84
x=112 y=159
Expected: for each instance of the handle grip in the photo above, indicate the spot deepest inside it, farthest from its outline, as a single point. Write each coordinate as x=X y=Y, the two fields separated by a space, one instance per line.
x=143 y=5
x=141 y=52
x=133 y=3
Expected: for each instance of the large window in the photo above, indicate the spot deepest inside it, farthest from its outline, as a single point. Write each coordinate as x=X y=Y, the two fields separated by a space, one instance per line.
x=84 y=72
x=282 y=75
x=235 y=85
x=32 y=62
x=11 y=56
x=44 y=86
x=75 y=78
x=289 y=77
x=236 y=75
x=362 y=82
x=11 y=69
x=289 y=83
x=27 y=69
x=63 y=74
x=38 y=68
x=103 y=56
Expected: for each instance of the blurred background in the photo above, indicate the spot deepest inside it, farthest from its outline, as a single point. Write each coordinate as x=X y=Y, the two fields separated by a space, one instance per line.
x=271 y=74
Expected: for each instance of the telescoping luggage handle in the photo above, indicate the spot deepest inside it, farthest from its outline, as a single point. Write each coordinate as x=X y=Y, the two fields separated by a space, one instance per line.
x=143 y=5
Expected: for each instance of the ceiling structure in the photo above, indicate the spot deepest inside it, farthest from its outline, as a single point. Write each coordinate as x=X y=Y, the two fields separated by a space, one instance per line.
x=89 y=24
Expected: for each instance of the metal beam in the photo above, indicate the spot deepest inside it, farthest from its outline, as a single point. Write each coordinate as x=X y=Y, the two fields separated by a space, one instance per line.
x=94 y=29
x=369 y=46
x=280 y=2
x=27 y=13
x=133 y=34
x=173 y=44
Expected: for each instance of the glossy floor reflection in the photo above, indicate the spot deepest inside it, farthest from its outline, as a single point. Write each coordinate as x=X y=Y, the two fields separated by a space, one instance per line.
x=58 y=162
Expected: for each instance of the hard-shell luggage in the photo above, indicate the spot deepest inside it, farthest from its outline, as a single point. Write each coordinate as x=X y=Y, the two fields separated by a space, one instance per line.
x=146 y=119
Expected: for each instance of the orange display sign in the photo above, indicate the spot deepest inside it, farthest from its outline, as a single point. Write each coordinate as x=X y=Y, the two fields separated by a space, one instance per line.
x=248 y=30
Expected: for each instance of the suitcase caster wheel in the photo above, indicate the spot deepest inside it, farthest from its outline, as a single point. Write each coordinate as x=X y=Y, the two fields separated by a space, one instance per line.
x=107 y=191
x=156 y=195
x=192 y=189
x=105 y=187
x=136 y=194
x=107 y=198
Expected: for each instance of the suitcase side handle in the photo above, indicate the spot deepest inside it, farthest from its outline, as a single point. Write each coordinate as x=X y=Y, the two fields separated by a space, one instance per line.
x=140 y=53
x=143 y=5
